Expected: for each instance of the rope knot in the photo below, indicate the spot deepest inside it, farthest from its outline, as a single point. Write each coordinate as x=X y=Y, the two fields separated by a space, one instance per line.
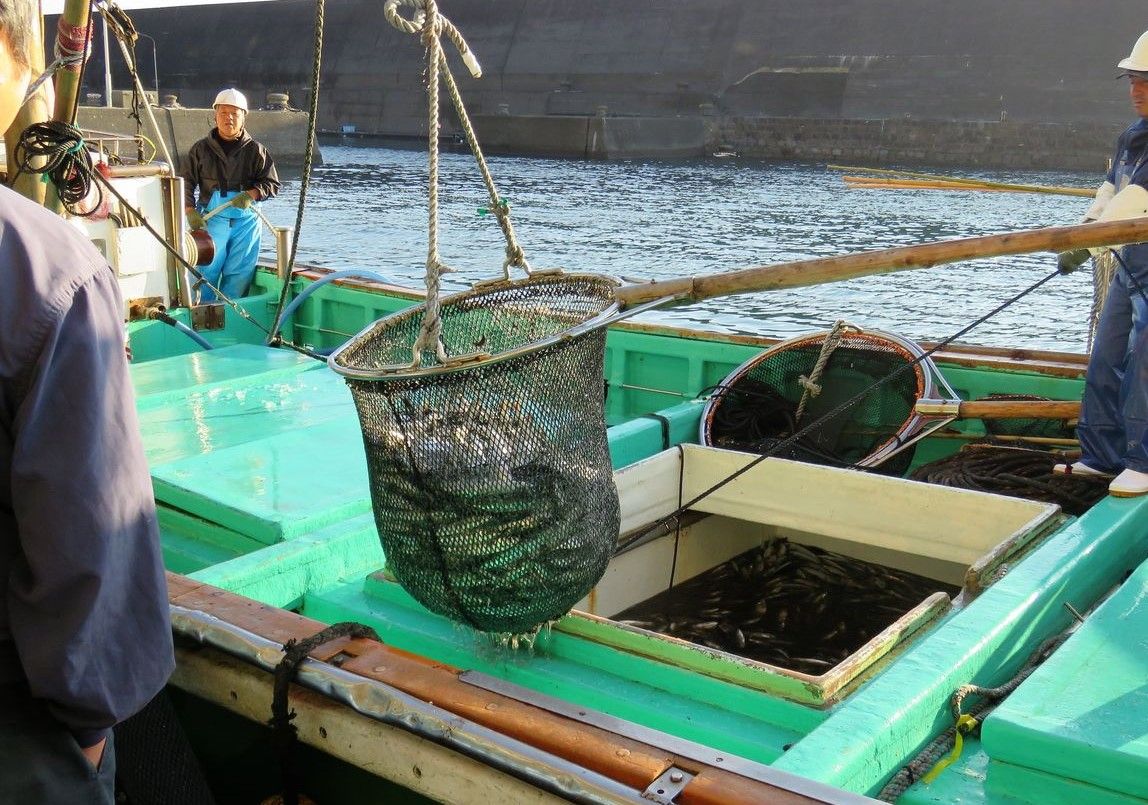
x=813 y=388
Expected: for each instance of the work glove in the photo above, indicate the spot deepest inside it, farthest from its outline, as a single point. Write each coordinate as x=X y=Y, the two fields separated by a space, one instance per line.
x=1067 y=262
x=195 y=220
x=242 y=201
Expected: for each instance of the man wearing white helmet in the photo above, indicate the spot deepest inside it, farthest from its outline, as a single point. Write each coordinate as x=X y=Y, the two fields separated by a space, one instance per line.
x=228 y=168
x=1113 y=426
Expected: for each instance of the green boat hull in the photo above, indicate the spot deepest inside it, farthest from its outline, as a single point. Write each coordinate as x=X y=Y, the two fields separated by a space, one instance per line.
x=258 y=469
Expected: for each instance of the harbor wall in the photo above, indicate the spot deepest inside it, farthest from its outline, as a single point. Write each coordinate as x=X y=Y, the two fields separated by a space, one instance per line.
x=954 y=144
x=284 y=133
x=753 y=66
x=970 y=144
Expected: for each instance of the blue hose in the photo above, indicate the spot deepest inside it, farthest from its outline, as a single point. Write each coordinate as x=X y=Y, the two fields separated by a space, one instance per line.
x=159 y=315
x=316 y=285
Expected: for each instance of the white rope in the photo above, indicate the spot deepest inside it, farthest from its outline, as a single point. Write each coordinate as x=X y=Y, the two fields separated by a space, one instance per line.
x=811 y=383
x=1103 y=269
x=63 y=57
x=430 y=26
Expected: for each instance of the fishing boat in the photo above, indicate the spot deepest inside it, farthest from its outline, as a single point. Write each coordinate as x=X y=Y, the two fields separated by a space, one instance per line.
x=1002 y=652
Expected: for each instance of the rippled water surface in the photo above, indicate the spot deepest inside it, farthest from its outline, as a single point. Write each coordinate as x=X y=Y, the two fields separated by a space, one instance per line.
x=366 y=208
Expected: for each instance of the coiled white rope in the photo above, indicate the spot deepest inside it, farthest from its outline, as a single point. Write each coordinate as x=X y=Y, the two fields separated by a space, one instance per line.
x=1103 y=269
x=431 y=26
x=811 y=383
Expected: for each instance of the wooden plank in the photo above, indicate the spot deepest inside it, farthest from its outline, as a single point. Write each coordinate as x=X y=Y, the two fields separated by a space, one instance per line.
x=627 y=761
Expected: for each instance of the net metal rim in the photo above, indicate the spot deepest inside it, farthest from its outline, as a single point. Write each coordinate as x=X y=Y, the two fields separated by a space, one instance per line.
x=928 y=379
x=338 y=362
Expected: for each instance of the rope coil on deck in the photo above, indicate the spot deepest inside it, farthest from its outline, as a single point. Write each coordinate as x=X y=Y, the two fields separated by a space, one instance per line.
x=1015 y=471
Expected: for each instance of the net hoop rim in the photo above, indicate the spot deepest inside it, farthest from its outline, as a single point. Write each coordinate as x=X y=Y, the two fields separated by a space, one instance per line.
x=925 y=371
x=397 y=372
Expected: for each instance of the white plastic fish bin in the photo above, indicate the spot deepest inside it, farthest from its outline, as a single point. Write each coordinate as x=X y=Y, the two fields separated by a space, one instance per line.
x=793 y=578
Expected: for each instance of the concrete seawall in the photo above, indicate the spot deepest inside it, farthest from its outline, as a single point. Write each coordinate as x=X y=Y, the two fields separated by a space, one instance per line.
x=896 y=79
x=953 y=144
x=284 y=133
x=1033 y=146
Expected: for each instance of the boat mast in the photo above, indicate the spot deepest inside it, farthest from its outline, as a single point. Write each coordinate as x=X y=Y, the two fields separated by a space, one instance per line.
x=75 y=29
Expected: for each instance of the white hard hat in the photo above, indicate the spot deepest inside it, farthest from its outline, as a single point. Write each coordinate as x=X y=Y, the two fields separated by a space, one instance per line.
x=1137 y=60
x=231 y=97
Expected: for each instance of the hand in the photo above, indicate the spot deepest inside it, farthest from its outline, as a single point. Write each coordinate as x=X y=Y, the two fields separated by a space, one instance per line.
x=194 y=219
x=243 y=200
x=95 y=753
x=1067 y=262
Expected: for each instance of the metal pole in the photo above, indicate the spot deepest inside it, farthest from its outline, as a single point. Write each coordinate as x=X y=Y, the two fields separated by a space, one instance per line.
x=282 y=250
x=148 y=113
x=107 y=65
x=154 y=65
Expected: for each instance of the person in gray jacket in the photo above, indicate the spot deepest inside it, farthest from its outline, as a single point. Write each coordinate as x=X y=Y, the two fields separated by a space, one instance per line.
x=228 y=169
x=85 y=638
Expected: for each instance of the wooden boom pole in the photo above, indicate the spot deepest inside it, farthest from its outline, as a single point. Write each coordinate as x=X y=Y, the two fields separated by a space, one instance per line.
x=885 y=261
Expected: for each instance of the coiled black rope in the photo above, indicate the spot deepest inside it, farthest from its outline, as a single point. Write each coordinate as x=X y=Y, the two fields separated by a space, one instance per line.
x=68 y=164
x=1016 y=472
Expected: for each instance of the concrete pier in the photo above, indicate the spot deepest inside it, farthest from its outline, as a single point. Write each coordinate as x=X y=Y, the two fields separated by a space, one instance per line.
x=283 y=132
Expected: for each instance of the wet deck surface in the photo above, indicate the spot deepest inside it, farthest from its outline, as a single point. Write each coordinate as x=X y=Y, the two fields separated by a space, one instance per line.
x=265 y=442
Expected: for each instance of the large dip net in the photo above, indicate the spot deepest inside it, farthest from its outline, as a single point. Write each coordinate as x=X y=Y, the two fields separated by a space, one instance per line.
x=491 y=478
x=845 y=397
x=483 y=417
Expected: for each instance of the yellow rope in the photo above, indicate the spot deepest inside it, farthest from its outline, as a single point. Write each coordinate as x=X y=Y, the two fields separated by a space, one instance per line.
x=965 y=725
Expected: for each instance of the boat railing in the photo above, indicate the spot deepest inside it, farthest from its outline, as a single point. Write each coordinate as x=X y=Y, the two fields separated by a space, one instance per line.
x=125 y=150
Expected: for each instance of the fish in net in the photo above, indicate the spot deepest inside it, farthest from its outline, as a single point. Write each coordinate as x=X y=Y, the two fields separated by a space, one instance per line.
x=490 y=476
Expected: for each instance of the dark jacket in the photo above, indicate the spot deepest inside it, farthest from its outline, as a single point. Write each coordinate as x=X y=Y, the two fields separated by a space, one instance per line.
x=208 y=169
x=83 y=598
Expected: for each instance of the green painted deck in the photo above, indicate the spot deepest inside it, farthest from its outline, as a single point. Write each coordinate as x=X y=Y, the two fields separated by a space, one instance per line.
x=258 y=467
x=1082 y=717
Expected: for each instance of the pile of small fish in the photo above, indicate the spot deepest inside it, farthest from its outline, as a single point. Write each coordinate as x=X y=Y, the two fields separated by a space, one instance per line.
x=785 y=604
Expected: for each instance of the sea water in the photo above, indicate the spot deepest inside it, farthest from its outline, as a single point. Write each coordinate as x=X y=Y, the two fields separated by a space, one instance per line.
x=366 y=208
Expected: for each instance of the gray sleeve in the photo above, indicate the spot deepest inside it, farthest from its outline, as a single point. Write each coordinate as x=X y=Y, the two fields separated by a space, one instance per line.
x=88 y=603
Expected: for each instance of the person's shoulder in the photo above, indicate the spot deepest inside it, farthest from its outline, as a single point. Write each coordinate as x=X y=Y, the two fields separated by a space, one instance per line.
x=1136 y=131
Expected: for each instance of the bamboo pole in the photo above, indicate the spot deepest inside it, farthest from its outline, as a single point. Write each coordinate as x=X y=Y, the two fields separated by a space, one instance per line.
x=1052 y=441
x=801 y=273
x=76 y=18
x=982 y=183
x=877 y=183
x=1002 y=409
x=35 y=110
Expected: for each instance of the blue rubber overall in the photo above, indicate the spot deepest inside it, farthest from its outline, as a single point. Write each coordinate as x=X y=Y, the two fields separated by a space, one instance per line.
x=236 y=235
x=1113 y=428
